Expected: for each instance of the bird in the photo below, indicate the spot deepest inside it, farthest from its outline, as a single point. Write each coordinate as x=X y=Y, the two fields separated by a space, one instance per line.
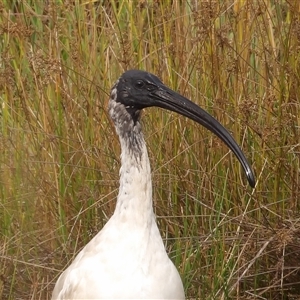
x=127 y=259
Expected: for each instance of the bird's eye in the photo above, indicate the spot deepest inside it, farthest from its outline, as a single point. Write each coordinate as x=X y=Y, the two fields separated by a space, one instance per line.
x=139 y=84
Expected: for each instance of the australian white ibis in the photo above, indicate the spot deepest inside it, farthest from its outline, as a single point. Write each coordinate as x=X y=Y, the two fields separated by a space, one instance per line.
x=127 y=258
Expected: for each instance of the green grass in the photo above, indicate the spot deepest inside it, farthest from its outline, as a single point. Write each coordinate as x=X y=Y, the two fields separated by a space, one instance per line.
x=59 y=159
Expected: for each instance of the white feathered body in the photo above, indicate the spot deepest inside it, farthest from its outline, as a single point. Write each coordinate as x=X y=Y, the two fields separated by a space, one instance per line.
x=127 y=258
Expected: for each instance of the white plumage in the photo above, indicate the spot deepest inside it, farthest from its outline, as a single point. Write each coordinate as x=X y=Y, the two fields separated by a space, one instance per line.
x=127 y=258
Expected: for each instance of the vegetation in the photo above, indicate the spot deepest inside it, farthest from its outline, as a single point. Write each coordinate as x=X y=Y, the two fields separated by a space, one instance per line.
x=59 y=159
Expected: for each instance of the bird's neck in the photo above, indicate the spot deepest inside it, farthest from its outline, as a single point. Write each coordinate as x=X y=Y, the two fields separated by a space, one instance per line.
x=134 y=203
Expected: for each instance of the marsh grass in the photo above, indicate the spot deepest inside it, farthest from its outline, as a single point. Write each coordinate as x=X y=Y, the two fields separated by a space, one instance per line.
x=60 y=156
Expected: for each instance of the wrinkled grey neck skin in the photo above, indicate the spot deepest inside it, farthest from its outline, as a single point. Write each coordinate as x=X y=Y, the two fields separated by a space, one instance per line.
x=134 y=203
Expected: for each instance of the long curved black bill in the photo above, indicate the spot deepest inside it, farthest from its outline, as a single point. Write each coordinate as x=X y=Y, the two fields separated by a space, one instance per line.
x=170 y=100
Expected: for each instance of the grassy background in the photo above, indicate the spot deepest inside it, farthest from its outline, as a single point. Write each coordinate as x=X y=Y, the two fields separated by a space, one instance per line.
x=59 y=158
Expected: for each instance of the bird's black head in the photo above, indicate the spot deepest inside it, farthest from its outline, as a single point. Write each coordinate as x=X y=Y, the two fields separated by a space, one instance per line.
x=136 y=90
